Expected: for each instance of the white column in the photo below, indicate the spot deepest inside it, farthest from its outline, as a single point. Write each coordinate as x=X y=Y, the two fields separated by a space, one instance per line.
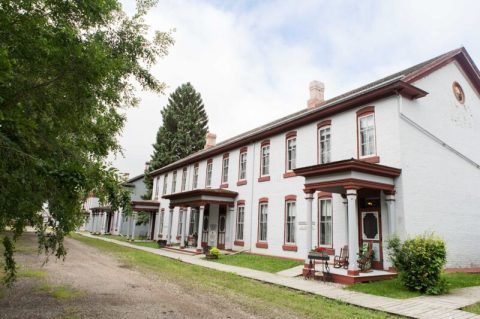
x=169 y=231
x=157 y=225
x=392 y=217
x=92 y=228
x=187 y=218
x=233 y=220
x=345 y=205
x=129 y=226
x=184 y=227
x=114 y=223
x=103 y=221
x=134 y=221
x=90 y=222
x=118 y=225
x=230 y=227
x=352 y=231
x=309 y=198
x=200 y=228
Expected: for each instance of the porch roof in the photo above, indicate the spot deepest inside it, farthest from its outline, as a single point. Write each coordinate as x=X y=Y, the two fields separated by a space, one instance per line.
x=336 y=177
x=145 y=205
x=201 y=197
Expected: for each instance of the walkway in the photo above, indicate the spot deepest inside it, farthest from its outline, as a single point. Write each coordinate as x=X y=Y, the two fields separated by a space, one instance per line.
x=441 y=307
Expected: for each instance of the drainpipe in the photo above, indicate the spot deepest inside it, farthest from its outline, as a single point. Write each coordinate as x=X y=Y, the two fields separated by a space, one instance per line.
x=251 y=197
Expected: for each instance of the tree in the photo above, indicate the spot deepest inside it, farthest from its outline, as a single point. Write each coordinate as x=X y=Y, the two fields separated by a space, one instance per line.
x=185 y=125
x=67 y=71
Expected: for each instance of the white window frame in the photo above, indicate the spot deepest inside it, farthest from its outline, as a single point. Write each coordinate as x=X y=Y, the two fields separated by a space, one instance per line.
x=240 y=223
x=180 y=222
x=193 y=222
x=184 y=179
x=323 y=205
x=165 y=184
x=265 y=161
x=195 y=177
x=263 y=222
x=157 y=183
x=291 y=154
x=174 y=182
x=208 y=178
x=324 y=144
x=225 y=163
x=290 y=220
x=160 y=224
x=242 y=172
x=372 y=128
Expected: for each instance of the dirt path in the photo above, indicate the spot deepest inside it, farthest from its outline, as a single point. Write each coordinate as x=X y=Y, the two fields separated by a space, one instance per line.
x=91 y=284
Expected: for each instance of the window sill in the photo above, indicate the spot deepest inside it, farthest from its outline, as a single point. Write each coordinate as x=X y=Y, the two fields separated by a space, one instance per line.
x=289 y=174
x=242 y=182
x=289 y=247
x=372 y=159
x=263 y=245
x=329 y=251
x=263 y=179
x=239 y=243
x=224 y=185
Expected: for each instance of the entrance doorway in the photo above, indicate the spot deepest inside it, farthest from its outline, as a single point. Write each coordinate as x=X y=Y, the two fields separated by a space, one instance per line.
x=152 y=226
x=222 y=225
x=370 y=228
x=206 y=219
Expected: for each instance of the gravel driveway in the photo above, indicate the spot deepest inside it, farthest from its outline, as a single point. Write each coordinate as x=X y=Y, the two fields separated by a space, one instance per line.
x=102 y=287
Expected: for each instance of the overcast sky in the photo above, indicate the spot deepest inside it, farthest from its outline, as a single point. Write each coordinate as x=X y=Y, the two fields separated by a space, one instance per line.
x=252 y=61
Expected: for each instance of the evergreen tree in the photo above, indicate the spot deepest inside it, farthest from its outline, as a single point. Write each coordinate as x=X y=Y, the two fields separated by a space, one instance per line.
x=185 y=125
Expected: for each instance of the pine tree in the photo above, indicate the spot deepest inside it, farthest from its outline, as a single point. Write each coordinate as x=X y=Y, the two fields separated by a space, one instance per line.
x=185 y=124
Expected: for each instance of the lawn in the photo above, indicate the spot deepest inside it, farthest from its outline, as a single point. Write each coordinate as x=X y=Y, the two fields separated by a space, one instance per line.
x=475 y=308
x=150 y=244
x=263 y=263
x=241 y=289
x=393 y=288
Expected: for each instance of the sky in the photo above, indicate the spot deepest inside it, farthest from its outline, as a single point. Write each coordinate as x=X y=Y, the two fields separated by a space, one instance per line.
x=252 y=61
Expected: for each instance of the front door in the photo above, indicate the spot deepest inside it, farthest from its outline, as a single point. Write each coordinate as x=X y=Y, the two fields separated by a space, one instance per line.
x=222 y=225
x=371 y=232
x=152 y=229
x=205 y=227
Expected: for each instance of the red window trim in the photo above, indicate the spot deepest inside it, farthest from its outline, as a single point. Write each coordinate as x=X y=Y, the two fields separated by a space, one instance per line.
x=210 y=160
x=324 y=123
x=226 y=155
x=241 y=202
x=324 y=195
x=241 y=182
x=366 y=110
x=224 y=184
x=261 y=244
x=320 y=126
x=265 y=178
x=238 y=243
x=289 y=174
x=361 y=113
x=288 y=246
x=264 y=244
x=290 y=135
x=263 y=200
x=290 y=198
x=265 y=143
x=243 y=149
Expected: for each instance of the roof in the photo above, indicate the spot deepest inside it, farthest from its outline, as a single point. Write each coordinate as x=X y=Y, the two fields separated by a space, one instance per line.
x=135 y=178
x=397 y=83
x=218 y=192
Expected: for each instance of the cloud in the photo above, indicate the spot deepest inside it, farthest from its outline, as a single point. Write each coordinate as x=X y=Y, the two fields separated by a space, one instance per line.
x=252 y=61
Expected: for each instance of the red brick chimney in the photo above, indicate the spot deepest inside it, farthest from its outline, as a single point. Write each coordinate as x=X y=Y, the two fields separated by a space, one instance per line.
x=317 y=90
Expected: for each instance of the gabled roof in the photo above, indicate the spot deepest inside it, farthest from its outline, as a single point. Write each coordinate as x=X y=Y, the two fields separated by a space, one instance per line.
x=397 y=83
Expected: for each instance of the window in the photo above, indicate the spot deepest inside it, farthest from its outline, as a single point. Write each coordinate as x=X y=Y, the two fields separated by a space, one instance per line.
x=225 y=169
x=160 y=225
x=291 y=153
x=325 y=222
x=174 y=182
x=262 y=219
x=265 y=166
x=240 y=221
x=208 y=181
x=157 y=182
x=195 y=177
x=180 y=222
x=366 y=135
x=193 y=223
x=242 y=174
x=165 y=179
x=290 y=222
x=184 y=179
x=324 y=144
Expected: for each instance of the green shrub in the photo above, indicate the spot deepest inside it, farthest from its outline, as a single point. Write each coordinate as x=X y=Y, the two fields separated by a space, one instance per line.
x=215 y=251
x=419 y=263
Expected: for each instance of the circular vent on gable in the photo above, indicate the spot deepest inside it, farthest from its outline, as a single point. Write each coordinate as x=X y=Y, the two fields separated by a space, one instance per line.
x=458 y=92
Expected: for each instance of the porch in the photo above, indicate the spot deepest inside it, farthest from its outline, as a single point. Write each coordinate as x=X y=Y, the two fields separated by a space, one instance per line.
x=365 y=188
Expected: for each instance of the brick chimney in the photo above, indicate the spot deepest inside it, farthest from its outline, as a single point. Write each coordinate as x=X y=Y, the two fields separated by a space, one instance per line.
x=211 y=140
x=317 y=89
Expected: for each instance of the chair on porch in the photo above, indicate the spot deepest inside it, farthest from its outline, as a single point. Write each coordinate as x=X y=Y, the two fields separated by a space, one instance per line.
x=341 y=260
x=365 y=258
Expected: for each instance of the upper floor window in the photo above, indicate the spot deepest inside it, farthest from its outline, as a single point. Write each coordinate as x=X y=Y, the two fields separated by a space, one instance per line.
x=208 y=181
x=225 y=169
x=240 y=222
x=325 y=222
x=366 y=132
x=174 y=181
x=262 y=221
x=195 y=176
x=184 y=179
x=291 y=153
x=324 y=142
x=157 y=185
x=242 y=174
x=160 y=224
x=165 y=180
x=290 y=216
x=265 y=161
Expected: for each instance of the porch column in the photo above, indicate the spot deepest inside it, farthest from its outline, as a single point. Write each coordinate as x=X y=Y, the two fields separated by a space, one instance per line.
x=90 y=222
x=187 y=218
x=169 y=231
x=134 y=222
x=392 y=217
x=200 y=229
x=103 y=221
x=157 y=225
x=184 y=227
x=352 y=232
x=118 y=225
x=231 y=225
x=345 y=205
x=114 y=222
x=309 y=198
x=129 y=226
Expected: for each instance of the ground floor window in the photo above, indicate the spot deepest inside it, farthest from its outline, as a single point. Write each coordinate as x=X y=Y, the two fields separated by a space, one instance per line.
x=325 y=222
x=160 y=224
x=262 y=218
x=240 y=222
x=193 y=223
x=180 y=222
x=290 y=222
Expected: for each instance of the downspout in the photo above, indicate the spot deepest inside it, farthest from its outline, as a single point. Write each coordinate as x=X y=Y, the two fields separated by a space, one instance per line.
x=251 y=197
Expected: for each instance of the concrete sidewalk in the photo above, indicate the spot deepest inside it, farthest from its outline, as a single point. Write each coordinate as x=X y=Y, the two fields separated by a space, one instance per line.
x=442 y=307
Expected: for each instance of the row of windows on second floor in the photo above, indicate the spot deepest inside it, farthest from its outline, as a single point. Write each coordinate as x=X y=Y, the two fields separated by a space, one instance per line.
x=179 y=180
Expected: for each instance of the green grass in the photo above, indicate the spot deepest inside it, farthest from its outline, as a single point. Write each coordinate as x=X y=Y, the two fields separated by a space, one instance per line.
x=263 y=263
x=475 y=308
x=394 y=288
x=28 y=273
x=243 y=290
x=59 y=292
x=150 y=244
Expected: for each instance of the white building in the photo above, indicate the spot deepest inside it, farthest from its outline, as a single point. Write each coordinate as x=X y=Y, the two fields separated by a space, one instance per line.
x=399 y=155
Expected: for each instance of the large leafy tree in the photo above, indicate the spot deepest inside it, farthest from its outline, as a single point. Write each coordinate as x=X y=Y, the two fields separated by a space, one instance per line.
x=185 y=125
x=67 y=70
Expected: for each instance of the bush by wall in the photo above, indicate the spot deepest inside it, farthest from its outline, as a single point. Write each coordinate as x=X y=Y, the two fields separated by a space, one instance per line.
x=419 y=263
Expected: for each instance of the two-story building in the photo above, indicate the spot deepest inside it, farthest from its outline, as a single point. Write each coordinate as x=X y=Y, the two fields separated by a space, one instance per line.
x=400 y=156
